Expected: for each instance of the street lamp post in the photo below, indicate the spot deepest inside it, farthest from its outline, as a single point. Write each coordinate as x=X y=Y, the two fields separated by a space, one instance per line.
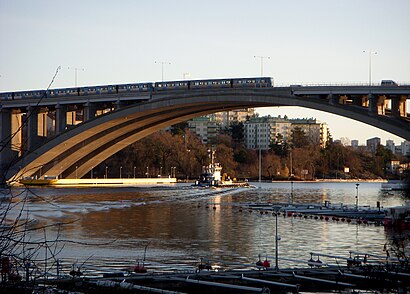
x=277 y=238
x=357 y=196
x=106 y=172
x=120 y=172
x=75 y=71
x=261 y=58
x=370 y=64
x=162 y=67
x=134 y=171
x=147 y=173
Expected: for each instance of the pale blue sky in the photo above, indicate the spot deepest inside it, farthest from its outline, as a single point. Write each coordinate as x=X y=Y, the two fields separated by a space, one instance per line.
x=308 y=41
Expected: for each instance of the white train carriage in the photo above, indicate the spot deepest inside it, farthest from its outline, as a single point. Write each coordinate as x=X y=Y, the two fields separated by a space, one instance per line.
x=215 y=83
x=110 y=89
x=84 y=91
x=172 y=85
x=140 y=87
x=252 y=82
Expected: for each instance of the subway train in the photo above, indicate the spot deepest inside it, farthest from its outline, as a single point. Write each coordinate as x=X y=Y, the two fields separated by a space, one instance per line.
x=256 y=82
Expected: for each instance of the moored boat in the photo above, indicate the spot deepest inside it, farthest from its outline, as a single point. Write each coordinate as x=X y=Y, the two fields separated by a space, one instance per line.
x=212 y=176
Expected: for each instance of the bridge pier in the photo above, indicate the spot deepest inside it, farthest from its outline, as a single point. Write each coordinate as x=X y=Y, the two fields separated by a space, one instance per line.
x=6 y=153
x=90 y=111
x=333 y=99
x=398 y=106
x=362 y=101
x=33 y=139
x=61 y=118
x=377 y=104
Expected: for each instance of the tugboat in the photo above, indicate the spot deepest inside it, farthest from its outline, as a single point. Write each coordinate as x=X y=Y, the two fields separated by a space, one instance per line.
x=212 y=176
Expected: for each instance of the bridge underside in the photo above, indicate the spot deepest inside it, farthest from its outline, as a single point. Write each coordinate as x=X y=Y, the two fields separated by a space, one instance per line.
x=75 y=152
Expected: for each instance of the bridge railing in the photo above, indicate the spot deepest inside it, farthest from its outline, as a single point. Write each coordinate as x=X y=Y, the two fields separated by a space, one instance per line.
x=337 y=84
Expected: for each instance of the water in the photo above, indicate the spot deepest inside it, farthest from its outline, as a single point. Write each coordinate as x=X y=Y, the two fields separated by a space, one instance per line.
x=108 y=228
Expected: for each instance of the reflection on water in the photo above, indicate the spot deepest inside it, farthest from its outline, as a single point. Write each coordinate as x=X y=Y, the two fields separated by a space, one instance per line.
x=180 y=224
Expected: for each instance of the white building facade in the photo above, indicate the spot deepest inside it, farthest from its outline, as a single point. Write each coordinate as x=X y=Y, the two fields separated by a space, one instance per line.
x=260 y=132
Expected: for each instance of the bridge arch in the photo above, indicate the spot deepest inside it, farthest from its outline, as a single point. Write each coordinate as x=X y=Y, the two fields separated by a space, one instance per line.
x=75 y=152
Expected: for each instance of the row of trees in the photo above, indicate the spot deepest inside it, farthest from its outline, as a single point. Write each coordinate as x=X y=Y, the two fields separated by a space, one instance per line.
x=181 y=153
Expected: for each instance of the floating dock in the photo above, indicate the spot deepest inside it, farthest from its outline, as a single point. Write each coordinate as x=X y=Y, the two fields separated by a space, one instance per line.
x=98 y=182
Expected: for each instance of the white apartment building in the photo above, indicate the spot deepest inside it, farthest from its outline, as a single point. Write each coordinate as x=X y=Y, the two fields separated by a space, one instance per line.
x=405 y=148
x=205 y=127
x=372 y=144
x=390 y=146
x=318 y=133
x=261 y=131
x=354 y=144
x=226 y=118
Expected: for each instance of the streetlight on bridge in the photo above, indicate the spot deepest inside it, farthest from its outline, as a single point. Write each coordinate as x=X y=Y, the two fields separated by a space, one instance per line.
x=261 y=58
x=370 y=64
x=162 y=67
x=76 y=69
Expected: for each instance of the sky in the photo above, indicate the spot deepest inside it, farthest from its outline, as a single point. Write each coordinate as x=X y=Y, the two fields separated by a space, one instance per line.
x=111 y=42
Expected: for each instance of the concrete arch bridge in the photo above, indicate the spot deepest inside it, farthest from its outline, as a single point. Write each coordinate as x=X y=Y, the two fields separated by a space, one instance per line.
x=86 y=130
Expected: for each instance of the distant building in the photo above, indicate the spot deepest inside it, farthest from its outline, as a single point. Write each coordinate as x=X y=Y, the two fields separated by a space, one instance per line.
x=260 y=132
x=317 y=133
x=405 y=148
x=205 y=127
x=372 y=144
x=354 y=144
x=226 y=118
x=390 y=146
x=393 y=166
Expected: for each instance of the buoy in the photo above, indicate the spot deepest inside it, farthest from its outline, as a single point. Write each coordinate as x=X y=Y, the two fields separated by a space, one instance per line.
x=261 y=212
x=326 y=218
x=348 y=220
x=259 y=262
x=315 y=217
x=342 y=219
x=266 y=263
x=321 y=217
x=140 y=269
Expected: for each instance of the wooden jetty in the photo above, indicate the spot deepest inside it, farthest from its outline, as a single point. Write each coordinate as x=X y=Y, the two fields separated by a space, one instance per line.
x=367 y=273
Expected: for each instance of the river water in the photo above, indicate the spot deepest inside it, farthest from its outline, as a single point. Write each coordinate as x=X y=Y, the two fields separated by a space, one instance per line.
x=108 y=228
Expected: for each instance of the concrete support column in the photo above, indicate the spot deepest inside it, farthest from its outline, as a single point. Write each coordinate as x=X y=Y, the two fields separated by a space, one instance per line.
x=6 y=154
x=381 y=105
x=398 y=106
x=333 y=99
x=61 y=118
x=377 y=104
x=372 y=104
x=90 y=110
x=33 y=140
x=361 y=101
x=118 y=104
